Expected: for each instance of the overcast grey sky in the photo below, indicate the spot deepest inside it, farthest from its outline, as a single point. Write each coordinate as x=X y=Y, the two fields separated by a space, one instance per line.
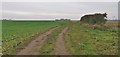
x=52 y=10
x=60 y=0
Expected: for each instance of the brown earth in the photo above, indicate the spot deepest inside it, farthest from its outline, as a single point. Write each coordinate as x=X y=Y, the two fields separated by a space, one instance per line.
x=60 y=46
x=113 y=23
x=33 y=47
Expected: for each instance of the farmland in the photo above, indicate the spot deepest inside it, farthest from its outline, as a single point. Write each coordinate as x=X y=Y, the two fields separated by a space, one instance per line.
x=15 y=33
x=113 y=23
x=80 y=39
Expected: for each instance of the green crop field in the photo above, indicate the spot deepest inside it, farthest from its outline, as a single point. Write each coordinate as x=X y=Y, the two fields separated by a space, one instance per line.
x=15 y=33
x=80 y=39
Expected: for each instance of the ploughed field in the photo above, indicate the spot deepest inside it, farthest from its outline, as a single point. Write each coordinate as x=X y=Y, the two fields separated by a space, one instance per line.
x=113 y=23
x=58 y=37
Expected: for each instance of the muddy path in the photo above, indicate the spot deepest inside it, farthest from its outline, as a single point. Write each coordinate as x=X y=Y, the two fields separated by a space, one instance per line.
x=33 y=47
x=60 y=45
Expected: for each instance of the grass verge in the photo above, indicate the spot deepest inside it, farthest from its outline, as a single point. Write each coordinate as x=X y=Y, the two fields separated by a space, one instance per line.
x=83 y=40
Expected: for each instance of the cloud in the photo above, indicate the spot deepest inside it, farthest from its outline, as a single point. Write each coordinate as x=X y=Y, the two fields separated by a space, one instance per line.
x=33 y=13
x=60 y=0
x=17 y=12
x=52 y=10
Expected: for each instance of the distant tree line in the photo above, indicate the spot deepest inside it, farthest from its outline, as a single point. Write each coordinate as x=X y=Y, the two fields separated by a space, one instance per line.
x=62 y=19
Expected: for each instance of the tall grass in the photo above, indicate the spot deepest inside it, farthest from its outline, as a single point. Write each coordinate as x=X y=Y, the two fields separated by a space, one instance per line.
x=83 y=40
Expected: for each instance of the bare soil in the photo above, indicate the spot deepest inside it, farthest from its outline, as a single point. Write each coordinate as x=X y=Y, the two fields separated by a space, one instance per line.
x=113 y=23
x=60 y=45
x=33 y=47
